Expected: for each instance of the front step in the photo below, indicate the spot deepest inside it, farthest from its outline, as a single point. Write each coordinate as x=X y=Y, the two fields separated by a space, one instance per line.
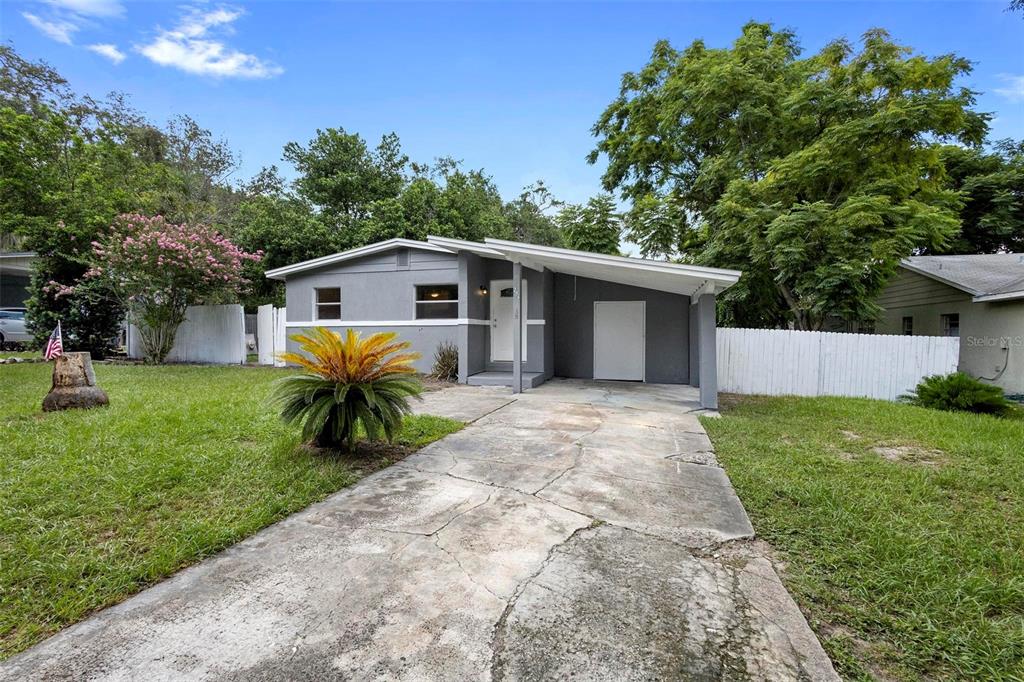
x=489 y=378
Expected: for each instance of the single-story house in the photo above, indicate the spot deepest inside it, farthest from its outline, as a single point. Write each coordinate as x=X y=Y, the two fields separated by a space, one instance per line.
x=979 y=298
x=518 y=313
x=15 y=267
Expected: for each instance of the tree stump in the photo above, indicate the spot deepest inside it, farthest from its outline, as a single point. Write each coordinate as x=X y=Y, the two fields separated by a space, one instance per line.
x=74 y=384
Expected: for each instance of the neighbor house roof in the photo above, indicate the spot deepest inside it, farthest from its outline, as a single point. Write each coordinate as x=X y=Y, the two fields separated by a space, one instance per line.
x=675 y=278
x=987 y=277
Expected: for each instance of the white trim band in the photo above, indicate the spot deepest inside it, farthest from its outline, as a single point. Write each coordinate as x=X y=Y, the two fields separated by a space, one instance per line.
x=386 y=323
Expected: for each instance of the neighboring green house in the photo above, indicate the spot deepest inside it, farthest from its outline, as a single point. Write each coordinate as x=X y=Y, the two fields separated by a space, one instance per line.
x=979 y=298
x=14 y=273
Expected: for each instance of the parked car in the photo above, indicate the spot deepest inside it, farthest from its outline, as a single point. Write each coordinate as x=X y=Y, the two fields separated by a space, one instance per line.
x=12 y=327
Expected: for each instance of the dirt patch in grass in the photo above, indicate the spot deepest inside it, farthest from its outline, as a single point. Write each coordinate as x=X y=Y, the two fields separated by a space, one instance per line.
x=368 y=457
x=910 y=454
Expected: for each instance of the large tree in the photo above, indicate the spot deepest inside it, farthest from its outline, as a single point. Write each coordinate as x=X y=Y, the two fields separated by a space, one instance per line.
x=68 y=166
x=342 y=176
x=814 y=175
x=991 y=186
x=595 y=226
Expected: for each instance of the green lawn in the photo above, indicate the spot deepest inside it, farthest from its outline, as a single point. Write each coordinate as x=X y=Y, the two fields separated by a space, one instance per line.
x=97 y=504
x=909 y=564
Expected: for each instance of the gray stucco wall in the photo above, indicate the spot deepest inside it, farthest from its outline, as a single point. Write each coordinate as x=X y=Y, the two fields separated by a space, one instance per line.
x=377 y=288
x=668 y=315
x=374 y=288
x=425 y=340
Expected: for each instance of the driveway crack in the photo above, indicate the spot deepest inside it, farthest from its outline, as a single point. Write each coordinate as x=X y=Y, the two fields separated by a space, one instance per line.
x=498 y=634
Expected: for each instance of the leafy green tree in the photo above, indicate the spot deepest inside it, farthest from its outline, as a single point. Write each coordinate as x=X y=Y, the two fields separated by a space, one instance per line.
x=595 y=226
x=814 y=176
x=991 y=186
x=529 y=216
x=287 y=230
x=69 y=166
x=340 y=175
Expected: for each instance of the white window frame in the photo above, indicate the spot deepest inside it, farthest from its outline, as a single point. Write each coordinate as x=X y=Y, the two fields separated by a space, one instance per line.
x=317 y=304
x=417 y=301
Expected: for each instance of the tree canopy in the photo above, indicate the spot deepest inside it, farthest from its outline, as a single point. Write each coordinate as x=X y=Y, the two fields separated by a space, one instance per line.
x=814 y=175
x=595 y=226
x=991 y=187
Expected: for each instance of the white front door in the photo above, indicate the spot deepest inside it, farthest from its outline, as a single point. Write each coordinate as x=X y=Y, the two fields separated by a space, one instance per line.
x=619 y=336
x=502 y=320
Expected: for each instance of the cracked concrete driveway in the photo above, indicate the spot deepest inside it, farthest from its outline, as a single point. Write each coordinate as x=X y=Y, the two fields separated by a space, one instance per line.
x=579 y=530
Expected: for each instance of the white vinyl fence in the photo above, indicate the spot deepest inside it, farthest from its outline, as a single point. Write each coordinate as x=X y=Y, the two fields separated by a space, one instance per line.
x=212 y=334
x=784 y=362
x=270 y=334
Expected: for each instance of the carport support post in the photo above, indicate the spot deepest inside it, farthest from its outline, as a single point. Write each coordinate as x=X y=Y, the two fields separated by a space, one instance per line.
x=517 y=327
x=707 y=364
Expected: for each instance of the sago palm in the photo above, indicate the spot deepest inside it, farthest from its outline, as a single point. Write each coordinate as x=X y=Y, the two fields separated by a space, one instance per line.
x=349 y=382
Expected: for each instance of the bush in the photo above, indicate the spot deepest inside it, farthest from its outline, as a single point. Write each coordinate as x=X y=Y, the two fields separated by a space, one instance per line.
x=958 y=392
x=446 y=362
x=348 y=383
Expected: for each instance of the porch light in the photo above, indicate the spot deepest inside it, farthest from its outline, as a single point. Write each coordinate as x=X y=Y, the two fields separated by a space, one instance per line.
x=483 y=290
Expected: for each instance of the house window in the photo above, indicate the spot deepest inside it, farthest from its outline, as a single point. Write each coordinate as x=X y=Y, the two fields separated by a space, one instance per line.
x=328 y=304
x=908 y=326
x=951 y=324
x=437 y=301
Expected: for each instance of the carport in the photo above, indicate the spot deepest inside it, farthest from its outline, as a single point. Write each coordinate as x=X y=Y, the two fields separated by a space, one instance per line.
x=601 y=316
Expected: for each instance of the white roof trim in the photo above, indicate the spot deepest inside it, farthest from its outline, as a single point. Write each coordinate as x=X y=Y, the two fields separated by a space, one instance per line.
x=652 y=274
x=1004 y=296
x=281 y=273
x=627 y=261
x=465 y=245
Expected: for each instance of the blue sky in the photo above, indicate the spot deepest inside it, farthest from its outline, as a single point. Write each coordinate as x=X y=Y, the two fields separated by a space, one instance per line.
x=512 y=88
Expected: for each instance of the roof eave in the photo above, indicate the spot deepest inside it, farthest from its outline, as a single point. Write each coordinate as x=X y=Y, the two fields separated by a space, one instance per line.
x=1005 y=296
x=722 y=278
x=283 y=272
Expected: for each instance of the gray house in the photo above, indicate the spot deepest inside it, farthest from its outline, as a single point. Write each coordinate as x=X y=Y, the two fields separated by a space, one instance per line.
x=573 y=314
x=979 y=298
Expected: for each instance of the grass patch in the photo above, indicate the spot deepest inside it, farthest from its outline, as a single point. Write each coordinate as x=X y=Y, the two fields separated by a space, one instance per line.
x=902 y=528
x=97 y=504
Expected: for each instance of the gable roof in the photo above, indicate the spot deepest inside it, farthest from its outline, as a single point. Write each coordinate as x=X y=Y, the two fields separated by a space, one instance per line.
x=677 y=278
x=282 y=272
x=987 y=277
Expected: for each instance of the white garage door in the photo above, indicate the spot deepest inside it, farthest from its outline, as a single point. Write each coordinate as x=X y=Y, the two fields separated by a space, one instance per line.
x=619 y=333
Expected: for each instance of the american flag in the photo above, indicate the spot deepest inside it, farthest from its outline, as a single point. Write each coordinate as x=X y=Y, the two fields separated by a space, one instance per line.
x=54 y=346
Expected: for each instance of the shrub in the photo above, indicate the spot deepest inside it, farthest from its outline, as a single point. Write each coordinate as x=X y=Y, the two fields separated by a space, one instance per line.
x=157 y=269
x=446 y=362
x=348 y=383
x=959 y=392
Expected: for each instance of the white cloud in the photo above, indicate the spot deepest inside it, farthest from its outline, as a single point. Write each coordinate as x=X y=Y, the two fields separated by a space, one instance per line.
x=189 y=46
x=90 y=8
x=109 y=51
x=56 y=29
x=1014 y=90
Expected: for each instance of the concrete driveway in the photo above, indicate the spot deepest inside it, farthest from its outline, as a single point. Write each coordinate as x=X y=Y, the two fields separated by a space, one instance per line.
x=580 y=530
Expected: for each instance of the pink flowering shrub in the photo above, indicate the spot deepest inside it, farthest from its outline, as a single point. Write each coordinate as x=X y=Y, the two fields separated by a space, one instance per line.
x=158 y=269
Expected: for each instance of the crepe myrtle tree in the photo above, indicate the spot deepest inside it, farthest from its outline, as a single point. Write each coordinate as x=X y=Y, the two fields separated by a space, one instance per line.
x=157 y=269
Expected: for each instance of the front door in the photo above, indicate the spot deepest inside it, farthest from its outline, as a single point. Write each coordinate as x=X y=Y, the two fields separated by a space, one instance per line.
x=502 y=320
x=619 y=338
